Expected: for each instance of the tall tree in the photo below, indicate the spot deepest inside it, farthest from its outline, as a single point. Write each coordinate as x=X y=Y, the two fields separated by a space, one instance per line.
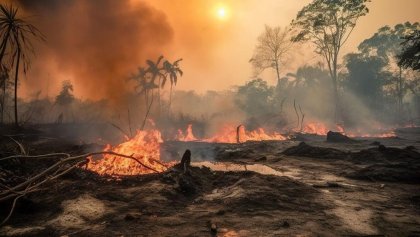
x=386 y=45
x=156 y=72
x=171 y=70
x=366 y=78
x=16 y=35
x=272 y=47
x=410 y=53
x=328 y=25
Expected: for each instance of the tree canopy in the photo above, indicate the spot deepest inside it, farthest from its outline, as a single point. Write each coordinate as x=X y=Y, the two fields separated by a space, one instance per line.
x=410 y=54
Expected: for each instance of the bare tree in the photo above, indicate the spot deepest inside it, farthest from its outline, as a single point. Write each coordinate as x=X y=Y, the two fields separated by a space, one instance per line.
x=328 y=24
x=272 y=47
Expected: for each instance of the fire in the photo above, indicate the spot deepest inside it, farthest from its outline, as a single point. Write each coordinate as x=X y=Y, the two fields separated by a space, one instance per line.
x=144 y=147
x=231 y=134
x=188 y=137
x=322 y=129
x=315 y=128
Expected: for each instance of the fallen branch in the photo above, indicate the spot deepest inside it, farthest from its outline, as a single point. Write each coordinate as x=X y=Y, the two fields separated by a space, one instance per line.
x=51 y=173
x=52 y=155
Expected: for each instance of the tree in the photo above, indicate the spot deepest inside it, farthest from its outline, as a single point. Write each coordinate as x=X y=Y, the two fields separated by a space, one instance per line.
x=66 y=96
x=5 y=85
x=255 y=97
x=328 y=25
x=16 y=37
x=308 y=76
x=410 y=53
x=172 y=70
x=366 y=78
x=272 y=46
x=156 y=73
x=386 y=45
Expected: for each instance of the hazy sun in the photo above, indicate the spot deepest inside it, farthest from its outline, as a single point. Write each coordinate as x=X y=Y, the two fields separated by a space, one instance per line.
x=221 y=13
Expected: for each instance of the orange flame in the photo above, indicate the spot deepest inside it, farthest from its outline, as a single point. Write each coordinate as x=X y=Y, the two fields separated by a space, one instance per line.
x=188 y=137
x=144 y=147
x=229 y=134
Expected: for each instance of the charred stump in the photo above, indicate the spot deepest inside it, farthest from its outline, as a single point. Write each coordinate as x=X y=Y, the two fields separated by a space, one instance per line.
x=337 y=137
x=186 y=161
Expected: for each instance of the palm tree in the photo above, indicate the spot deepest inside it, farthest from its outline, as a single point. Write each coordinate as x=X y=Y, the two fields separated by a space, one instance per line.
x=156 y=73
x=15 y=36
x=172 y=70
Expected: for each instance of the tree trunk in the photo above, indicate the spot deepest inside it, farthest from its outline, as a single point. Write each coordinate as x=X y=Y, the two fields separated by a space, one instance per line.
x=16 y=86
x=170 y=100
x=277 y=71
x=3 y=102
x=160 y=104
x=147 y=112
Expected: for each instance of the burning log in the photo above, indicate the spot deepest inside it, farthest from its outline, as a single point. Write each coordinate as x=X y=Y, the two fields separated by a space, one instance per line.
x=238 y=135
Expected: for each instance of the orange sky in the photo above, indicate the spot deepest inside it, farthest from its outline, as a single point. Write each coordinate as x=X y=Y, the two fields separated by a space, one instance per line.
x=216 y=52
x=222 y=60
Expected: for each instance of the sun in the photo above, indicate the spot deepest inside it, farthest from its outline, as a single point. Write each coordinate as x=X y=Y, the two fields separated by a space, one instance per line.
x=222 y=12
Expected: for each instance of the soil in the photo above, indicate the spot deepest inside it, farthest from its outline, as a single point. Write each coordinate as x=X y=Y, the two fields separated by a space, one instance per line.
x=272 y=188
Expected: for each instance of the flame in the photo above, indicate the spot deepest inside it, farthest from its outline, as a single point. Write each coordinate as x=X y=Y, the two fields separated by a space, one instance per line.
x=315 y=128
x=144 y=147
x=188 y=137
x=231 y=134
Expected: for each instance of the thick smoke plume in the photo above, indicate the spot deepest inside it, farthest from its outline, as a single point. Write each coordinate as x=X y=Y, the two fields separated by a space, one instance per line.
x=95 y=43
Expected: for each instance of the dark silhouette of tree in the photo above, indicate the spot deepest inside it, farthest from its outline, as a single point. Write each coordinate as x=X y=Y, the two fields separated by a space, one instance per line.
x=328 y=24
x=16 y=36
x=171 y=70
x=366 y=78
x=386 y=45
x=156 y=72
x=272 y=46
x=5 y=85
x=308 y=76
x=66 y=96
x=410 y=53
x=255 y=97
x=64 y=99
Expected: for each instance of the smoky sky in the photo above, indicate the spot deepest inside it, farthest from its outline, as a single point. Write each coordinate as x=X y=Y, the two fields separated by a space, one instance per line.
x=96 y=43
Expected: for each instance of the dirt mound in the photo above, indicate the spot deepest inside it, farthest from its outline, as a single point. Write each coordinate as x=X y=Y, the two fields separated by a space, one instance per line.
x=261 y=192
x=306 y=150
x=389 y=172
x=387 y=154
x=390 y=164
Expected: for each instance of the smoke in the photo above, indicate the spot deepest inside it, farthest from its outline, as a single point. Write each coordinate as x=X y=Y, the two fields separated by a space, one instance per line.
x=96 y=44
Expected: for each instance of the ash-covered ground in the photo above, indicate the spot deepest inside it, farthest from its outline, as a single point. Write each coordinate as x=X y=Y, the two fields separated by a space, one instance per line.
x=301 y=187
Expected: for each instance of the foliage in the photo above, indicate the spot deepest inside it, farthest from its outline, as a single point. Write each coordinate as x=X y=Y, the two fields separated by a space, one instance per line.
x=386 y=43
x=255 y=97
x=328 y=24
x=409 y=56
x=366 y=78
x=272 y=46
x=146 y=80
x=66 y=96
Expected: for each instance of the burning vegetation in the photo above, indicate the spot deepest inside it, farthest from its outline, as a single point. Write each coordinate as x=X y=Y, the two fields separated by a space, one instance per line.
x=119 y=145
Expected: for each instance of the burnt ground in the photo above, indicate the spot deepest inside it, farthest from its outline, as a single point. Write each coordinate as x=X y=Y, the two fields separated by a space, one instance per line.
x=365 y=188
